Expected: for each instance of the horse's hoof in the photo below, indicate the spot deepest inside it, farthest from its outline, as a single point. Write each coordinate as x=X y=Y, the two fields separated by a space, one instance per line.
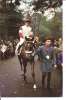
x=34 y=87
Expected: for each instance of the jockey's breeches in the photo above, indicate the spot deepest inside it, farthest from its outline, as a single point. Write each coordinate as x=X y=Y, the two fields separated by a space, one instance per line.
x=19 y=43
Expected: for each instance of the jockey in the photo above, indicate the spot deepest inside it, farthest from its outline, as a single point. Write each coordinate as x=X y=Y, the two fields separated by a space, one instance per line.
x=24 y=32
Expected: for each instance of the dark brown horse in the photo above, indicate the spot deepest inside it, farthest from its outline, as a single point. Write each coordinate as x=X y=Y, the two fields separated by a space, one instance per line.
x=27 y=55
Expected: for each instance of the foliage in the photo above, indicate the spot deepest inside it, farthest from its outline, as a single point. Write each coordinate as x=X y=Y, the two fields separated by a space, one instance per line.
x=52 y=27
x=42 y=5
x=9 y=19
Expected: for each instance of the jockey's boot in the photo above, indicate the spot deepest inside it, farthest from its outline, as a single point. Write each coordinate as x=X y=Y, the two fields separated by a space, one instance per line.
x=19 y=48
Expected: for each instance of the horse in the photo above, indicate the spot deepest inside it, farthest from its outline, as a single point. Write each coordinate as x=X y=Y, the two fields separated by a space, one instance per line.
x=26 y=55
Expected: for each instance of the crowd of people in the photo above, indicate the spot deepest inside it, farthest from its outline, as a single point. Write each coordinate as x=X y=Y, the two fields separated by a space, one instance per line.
x=7 y=48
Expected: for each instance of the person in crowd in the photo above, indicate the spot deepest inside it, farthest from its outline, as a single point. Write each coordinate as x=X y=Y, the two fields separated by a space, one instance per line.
x=3 y=48
x=55 y=43
x=59 y=59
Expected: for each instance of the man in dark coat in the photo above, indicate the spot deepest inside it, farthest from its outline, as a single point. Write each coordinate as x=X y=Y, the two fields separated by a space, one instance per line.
x=47 y=59
x=59 y=60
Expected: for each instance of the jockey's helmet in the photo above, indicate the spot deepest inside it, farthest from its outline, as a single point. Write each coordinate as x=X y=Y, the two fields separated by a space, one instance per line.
x=27 y=20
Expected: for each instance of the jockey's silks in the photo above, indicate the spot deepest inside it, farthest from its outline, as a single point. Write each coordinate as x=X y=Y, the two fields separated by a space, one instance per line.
x=25 y=31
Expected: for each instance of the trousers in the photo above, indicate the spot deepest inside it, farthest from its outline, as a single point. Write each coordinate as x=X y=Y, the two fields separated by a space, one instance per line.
x=48 y=79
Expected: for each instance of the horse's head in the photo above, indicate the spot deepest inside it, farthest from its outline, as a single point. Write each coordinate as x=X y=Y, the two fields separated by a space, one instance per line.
x=29 y=45
x=27 y=49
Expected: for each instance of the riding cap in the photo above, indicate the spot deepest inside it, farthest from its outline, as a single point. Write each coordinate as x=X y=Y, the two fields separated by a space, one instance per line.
x=27 y=20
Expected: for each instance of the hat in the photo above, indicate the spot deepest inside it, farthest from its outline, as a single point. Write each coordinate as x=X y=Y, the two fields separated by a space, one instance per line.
x=48 y=38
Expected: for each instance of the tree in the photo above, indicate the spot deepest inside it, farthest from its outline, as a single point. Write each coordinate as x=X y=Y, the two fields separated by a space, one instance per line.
x=36 y=18
x=44 y=29
x=52 y=27
x=42 y=5
x=56 y=25
x=9 y=18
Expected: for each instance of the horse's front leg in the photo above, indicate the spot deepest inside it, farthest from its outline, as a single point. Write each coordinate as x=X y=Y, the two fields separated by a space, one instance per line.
x=33 y=76
x=20 y=60
x=33 y=73
x=25 y=65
